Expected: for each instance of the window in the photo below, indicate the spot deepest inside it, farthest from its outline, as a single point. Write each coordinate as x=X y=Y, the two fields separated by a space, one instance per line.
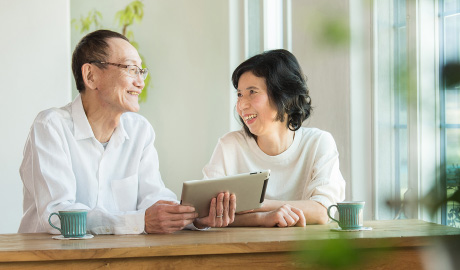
x=400 y=107
x=267 y=26
x=273 y=31
x=406 y=108
x=449 y=18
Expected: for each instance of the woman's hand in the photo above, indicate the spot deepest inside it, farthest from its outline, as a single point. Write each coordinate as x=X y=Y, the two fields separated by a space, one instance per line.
x=284 y=216
x=221 y=212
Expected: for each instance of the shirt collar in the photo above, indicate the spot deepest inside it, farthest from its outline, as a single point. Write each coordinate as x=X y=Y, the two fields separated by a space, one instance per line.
x=82 y=128
x=119 y=134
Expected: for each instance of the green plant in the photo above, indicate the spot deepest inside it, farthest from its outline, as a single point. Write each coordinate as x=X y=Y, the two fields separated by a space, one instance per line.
x=85 y=23
x=125 y=18
x=453 y=207
x=330 y=254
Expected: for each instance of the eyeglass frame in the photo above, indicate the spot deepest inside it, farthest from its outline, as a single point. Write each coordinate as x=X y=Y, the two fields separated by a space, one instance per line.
x=142 y=71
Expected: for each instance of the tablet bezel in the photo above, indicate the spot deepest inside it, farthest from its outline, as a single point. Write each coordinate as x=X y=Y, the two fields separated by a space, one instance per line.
x=249 y=189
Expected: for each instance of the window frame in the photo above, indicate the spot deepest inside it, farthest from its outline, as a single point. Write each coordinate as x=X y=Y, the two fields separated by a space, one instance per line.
x=423 y=111
x=443 y=125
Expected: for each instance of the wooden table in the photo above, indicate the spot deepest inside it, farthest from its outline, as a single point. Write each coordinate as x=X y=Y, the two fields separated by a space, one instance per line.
x=390 y=245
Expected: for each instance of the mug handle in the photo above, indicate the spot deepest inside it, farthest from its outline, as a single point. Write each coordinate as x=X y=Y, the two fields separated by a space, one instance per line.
x=49 y=221
x=328 y=209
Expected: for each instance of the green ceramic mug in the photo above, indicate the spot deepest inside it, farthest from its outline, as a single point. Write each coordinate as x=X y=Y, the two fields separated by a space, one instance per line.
x=73 y=223
x=350 y=215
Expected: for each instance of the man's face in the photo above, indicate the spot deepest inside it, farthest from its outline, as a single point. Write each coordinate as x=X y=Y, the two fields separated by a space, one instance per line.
x=118 y=91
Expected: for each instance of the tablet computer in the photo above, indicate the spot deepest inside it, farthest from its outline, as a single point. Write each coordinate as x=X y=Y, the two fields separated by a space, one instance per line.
x=249 y=189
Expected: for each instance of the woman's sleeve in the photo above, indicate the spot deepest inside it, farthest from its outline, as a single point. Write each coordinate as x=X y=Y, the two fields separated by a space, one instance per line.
x=216 y=166
x=327 y=186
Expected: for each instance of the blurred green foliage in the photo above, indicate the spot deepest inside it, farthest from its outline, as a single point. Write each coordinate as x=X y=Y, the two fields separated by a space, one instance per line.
x=330 y=254
x=335 y=32
x=451 y=74
x=340 y=253
x=90 y=22
x=132 y=13
x=451 y=78
x=329 y=27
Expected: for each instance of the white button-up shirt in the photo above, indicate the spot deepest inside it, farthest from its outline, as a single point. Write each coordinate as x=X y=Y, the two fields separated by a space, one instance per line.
x=65 y=167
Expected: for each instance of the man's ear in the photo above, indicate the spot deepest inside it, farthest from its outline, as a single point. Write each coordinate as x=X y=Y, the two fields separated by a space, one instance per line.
x=88 y=72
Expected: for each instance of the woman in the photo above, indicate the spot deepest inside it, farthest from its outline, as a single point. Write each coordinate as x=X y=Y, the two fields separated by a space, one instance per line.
x=305 y=179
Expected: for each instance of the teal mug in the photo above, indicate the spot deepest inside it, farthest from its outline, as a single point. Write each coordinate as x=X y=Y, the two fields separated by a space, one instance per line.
x=350 y=215
x=73 y=223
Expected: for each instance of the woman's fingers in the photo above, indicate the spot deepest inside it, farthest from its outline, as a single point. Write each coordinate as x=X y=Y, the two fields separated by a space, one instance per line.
x=294 y=215
x=281 y=220
x=225 y=209
x=289 y=216
x=301 y=222
x=226 y=206
x=232 y=211
x=212 y=212
x=219 y=209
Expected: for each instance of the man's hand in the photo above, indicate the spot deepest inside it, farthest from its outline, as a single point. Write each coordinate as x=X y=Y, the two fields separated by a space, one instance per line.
x=168 y=217
x=221 y=212
x=284 y=216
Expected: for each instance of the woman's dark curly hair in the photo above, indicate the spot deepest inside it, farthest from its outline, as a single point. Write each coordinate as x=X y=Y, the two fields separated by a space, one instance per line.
x=286 y=85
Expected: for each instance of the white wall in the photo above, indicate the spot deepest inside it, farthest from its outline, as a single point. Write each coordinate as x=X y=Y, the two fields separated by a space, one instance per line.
x=327 y=66
x=188 y=53
x=186 y=47
x=339 y=77
x=188 y=104
x=34 y=75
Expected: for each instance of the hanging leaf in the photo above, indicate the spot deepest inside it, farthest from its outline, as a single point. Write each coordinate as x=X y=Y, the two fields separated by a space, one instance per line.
x=86 y=23
x=129 y=35
x=133 y=11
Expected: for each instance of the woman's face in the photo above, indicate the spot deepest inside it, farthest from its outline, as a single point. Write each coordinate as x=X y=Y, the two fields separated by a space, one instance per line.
x=254 y=106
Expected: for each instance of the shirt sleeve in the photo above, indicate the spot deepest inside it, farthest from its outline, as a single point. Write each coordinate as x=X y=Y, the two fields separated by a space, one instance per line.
x=50 y=177
x=54 y=186
x=192 y=227
x=216 y=167
x=327 y=185
x=151 y=186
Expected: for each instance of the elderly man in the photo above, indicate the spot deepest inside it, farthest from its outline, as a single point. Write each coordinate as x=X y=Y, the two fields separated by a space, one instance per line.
x=97 y=154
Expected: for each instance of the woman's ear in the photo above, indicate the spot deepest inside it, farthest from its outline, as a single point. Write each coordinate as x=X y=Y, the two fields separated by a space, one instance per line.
x=88 y=72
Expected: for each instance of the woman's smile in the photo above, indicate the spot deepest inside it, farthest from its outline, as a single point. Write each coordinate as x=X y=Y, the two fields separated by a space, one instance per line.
x=250 y=118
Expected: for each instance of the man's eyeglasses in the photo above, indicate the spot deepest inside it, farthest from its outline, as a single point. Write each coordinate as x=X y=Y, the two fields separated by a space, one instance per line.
x=133 y=70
